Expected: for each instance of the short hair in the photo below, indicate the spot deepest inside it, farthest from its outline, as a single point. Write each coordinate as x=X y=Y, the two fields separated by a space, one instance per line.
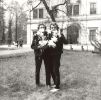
x=54 y=24
x=42 y=25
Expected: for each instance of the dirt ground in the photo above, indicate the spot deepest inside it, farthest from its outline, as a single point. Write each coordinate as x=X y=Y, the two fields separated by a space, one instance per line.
x=80 y=78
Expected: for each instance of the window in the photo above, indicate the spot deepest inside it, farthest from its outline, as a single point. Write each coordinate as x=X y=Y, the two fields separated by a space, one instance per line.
x=69 y=10
x=40 y=13
x=92 y=8
x=72 y=9
x=76 y=10
x=92 y=34
x=37 y=13
x=55 y=12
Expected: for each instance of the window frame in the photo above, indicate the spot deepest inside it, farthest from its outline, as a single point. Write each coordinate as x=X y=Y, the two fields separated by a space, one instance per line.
x=69 y=8
x=35 y=16
x=42 y=16
x=75 y=11
x=92 y=36
x=38 y=13
x=72 y=9
x=93 y=8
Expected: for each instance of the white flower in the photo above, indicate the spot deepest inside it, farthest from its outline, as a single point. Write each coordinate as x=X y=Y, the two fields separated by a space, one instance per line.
x=56 y=33
x=39 y=33
x=54 y=39
x=51 y=43
x=49 y=31
x=43 y=43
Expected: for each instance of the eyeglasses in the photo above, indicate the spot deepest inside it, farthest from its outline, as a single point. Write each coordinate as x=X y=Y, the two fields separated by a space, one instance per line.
x=42 y=27
x=53 y=27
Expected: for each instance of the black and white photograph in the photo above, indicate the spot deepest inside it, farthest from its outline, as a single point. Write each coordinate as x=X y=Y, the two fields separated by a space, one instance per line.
x=50 y=50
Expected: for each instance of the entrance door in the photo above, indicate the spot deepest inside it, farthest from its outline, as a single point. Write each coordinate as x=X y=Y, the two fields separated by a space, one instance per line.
x=72 y=34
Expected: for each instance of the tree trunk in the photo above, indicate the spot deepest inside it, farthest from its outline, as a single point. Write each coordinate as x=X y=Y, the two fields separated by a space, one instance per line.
x=16 y=30
x=49 y=11
x=9 y=40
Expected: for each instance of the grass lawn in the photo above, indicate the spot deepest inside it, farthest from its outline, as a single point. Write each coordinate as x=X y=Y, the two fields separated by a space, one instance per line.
x=80 y=78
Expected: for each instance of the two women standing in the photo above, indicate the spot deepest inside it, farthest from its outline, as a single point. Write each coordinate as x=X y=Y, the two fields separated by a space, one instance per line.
x=48 y=46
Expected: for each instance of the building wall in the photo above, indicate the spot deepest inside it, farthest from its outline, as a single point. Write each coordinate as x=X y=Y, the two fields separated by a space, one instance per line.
x=85 y=20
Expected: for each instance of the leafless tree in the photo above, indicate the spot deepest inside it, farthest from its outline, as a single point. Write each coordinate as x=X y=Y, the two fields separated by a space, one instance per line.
x=49 y=10
x=19 y=19
x=2 y=22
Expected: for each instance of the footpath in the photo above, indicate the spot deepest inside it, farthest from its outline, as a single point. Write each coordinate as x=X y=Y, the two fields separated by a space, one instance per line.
x=12 y=51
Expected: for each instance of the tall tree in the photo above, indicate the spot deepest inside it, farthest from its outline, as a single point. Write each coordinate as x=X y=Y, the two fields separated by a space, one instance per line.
x=19 y=19
x=2 y=23
x=49 y=10
x=22 y=26
x=54 y=9
x=9 y=38
x=3 y=33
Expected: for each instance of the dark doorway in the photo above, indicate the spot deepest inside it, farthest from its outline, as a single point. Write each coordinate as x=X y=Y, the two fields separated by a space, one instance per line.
x=73 y=34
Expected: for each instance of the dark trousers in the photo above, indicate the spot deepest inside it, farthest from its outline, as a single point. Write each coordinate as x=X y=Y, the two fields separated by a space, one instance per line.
x=47 y=69
x=54 y=65
x=50 y=68
x=38 y=63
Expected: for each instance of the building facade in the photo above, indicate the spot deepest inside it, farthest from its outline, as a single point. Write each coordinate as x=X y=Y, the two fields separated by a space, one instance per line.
x=79 y=19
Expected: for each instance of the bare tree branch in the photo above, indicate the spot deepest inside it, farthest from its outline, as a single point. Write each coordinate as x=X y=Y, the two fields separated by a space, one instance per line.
x=36 y=5
x=61 y=11
x=26 y=10
x=61 y=4
x=50 y=12
x=33 y=7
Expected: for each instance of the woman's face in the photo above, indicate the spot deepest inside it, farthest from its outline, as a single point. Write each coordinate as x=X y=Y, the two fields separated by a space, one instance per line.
x=53 y=28
x=42 y=28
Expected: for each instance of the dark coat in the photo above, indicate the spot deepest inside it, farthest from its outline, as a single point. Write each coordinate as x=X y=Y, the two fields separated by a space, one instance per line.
x=35 y=44
x=59 y=46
